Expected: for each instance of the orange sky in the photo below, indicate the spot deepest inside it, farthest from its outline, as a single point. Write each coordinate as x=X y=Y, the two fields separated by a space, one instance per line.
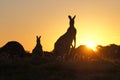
x=97 y=21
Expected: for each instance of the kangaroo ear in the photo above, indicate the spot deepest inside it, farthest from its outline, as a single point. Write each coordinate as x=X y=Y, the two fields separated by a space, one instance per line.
x=74 y=17
x=37 y=37
x=69 y=17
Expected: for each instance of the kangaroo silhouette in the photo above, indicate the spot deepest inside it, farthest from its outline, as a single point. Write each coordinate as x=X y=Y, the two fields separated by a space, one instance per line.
x=38 y=48
x=13 y=48
x=63 y=44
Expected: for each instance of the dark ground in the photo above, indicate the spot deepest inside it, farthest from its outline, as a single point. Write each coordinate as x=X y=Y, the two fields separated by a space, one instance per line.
x=51 y=69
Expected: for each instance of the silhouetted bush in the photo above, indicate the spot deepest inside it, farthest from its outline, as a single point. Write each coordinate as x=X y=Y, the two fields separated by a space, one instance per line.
x=111 y=51
x=12 y=48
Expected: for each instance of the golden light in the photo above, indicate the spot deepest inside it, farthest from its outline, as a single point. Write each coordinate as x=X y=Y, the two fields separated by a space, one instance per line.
x=91 y=45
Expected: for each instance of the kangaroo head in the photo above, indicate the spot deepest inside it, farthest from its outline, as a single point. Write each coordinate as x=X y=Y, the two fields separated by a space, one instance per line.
x=71 y=20
x=38 y=39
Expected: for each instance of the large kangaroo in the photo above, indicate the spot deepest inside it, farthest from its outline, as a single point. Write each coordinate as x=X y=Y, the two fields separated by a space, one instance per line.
x=38 y=48
x=63 y=44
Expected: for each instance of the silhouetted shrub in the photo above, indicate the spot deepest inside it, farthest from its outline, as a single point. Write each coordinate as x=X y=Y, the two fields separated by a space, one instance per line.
x=12 y=48
x=111 y=51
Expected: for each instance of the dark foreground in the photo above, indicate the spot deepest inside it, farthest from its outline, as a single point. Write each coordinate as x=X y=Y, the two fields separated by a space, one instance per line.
x=51 y=69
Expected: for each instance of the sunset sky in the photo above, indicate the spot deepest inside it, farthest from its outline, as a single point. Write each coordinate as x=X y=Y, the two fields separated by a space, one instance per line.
x=97 y=21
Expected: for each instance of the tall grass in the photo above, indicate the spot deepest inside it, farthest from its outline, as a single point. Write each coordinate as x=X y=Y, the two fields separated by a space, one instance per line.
x=30 y=68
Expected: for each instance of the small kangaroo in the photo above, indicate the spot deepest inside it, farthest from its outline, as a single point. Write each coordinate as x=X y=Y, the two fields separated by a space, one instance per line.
x=38 y=48
x=64 y=43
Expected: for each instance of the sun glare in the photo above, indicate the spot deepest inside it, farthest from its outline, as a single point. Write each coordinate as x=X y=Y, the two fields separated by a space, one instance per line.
x=91 y=45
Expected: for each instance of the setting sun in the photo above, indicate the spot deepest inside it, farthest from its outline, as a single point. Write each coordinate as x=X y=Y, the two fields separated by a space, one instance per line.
x=59 y=39
x=91 y=45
